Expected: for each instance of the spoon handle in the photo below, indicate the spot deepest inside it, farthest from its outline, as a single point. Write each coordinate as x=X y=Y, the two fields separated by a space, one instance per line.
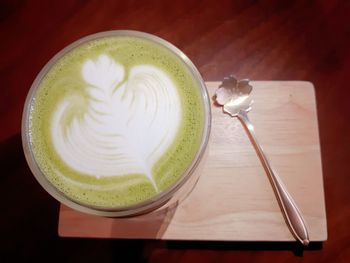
x=290 y=210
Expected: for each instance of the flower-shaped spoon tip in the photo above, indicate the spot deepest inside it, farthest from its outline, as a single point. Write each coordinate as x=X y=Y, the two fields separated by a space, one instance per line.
x=234 y=95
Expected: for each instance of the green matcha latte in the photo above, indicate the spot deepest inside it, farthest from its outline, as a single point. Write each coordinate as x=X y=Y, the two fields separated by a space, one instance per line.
x=116 y=121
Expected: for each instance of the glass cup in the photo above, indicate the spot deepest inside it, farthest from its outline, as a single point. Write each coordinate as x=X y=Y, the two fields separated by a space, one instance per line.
x=172 y=195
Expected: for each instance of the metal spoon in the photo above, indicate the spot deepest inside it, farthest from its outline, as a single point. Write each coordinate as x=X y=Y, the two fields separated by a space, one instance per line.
x=234 y=96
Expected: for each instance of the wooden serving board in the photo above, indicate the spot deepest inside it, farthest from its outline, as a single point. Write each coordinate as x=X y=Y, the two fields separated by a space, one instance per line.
x=233 y=199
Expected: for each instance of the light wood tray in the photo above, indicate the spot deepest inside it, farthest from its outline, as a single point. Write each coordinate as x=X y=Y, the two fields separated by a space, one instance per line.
x=233 y=199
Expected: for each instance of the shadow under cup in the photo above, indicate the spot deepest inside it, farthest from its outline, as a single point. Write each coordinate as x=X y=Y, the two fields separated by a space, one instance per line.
x=175 y=193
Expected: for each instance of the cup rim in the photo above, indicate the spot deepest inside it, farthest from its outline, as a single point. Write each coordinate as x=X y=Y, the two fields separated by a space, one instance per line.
x=151 y=203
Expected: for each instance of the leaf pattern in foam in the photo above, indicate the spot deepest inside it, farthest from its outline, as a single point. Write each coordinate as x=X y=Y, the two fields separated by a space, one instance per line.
x=125 y=130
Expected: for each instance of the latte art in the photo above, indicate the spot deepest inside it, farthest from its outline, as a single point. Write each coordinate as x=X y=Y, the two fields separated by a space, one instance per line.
x=130 y=122
x=116 y=121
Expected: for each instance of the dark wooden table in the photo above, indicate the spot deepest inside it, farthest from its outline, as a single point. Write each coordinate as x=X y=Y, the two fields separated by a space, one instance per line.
x=262 y=40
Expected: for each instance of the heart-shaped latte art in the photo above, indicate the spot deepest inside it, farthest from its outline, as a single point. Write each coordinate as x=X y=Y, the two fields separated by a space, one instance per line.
x=130 y=122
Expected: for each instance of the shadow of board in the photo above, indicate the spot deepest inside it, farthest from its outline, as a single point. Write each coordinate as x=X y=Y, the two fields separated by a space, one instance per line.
x=147 y=246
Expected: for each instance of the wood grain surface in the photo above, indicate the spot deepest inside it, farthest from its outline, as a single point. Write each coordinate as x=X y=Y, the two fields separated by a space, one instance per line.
x=262 y=40
x=233 y=199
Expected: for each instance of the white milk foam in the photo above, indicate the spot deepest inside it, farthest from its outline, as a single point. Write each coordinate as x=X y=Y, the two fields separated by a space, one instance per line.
x=127 y=128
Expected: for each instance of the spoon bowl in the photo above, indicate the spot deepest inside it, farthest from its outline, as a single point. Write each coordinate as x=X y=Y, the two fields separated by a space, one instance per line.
x=234 y=96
